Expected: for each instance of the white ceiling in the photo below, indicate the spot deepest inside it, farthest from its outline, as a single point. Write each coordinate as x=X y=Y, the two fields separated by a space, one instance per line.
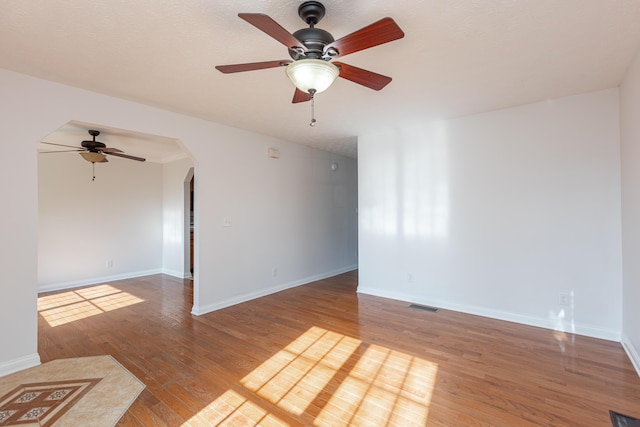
x=458 y=57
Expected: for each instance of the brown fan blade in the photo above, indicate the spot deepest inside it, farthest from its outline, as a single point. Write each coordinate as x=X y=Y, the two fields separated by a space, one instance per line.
x=105 y=160
x=366 y=78
x=236 y=68
x=273 y=29
x=59 y=151
x=300 y=96
x=109 y=150
x=62 y=145
x=380 y=32
x=126 y=156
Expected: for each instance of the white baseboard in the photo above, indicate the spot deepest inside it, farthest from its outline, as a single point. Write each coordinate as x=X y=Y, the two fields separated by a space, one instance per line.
x=176 y=273
x=200 y=310
x=632 y=352
x=95 y=280
x=541 y=322
x=19 y=364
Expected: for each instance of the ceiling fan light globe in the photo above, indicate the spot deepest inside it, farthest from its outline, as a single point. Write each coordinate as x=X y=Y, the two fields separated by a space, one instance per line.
x=93 y=157
x=312 y=74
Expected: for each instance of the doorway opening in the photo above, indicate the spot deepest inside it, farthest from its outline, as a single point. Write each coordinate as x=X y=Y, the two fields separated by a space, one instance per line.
x=189 y=209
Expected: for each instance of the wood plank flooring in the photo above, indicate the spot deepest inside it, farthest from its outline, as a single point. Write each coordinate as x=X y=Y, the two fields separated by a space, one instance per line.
x=321 y=354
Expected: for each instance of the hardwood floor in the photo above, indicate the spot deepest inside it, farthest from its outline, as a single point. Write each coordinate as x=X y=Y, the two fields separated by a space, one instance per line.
x=321 y=354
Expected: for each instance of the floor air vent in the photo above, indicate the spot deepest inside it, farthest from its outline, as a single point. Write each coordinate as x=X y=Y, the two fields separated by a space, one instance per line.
x=424 y=307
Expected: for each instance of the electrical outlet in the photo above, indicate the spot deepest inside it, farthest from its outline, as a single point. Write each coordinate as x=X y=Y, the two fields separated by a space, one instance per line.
x=109 y=263
x=564 y=298
x=409 y=277
x=274 y=271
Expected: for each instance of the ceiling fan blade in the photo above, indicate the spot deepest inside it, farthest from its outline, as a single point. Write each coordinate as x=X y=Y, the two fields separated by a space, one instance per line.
x=300 y=96
x=363 y=77
x=126 y=156
x=105 y=160
x=273 y=29
x=59 y=151
x=109 y=150
x=380 y=32
x=63 y=145
x=236 y=68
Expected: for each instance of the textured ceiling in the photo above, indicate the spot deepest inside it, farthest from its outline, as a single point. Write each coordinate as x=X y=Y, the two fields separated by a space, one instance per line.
x=458 y=57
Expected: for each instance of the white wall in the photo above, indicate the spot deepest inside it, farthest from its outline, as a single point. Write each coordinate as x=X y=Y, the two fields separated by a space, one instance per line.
x=83 y=224
x=630 y=157
x=18 y=228
x=174 y=218
x=297 y=216
x=290 y=213
x=497 y=214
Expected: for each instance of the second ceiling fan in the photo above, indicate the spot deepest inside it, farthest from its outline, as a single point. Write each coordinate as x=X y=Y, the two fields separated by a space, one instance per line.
x=312 y=50
x=93 y=151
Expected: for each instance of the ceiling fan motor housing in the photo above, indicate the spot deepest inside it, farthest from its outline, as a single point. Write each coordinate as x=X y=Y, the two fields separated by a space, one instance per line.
x=315 y=40
x=93 y=146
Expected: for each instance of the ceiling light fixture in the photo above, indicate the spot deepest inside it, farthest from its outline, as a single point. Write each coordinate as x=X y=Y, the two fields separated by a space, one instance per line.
x=93 y=157
x=312 y=74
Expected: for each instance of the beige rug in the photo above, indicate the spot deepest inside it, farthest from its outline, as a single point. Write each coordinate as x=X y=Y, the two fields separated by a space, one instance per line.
x=85 y=391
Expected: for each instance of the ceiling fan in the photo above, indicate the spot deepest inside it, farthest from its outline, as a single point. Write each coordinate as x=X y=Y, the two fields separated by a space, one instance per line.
x=93 y=151
x=312 y=50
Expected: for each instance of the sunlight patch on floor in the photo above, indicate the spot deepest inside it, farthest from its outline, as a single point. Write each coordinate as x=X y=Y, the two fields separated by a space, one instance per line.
x=334 y=379
x=233 y=409
x=295 y=376
x=66 y=307
x=385 y=387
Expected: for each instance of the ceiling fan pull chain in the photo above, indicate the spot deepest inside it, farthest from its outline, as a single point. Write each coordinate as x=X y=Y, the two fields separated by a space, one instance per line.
x=93 y=166
x=312 y=92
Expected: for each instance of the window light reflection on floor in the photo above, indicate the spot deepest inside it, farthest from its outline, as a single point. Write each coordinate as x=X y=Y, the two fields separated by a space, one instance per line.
x=298 y=373
x=233 y=409
x=66 y=307
x=385 y=387
x=335 y=380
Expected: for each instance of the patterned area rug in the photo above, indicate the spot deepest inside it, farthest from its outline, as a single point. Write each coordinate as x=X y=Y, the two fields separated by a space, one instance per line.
x=86 y=391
